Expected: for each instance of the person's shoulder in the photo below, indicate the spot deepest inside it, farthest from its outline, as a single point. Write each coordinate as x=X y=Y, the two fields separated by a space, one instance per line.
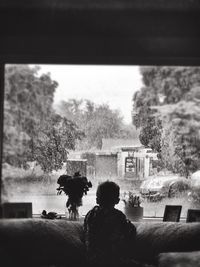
x=92 y=212
x=127 y=226
x=119 y=213
x=122 y=216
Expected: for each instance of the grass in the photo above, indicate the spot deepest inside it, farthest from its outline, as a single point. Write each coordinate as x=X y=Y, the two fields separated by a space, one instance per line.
x=19 y=181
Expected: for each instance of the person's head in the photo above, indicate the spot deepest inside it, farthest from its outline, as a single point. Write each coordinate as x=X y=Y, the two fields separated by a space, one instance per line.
x=77 y=174
x=107 y=194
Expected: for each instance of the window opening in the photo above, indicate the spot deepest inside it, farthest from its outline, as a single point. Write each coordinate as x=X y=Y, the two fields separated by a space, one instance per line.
x=136 y=125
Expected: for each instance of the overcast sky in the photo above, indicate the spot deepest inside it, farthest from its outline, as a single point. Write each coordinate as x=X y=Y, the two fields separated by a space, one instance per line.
x=114 y=85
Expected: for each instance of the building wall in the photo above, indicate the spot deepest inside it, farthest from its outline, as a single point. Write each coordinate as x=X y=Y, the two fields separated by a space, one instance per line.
x=138 y=170
x=142 y=167
x=120 y=165
x=106 y=166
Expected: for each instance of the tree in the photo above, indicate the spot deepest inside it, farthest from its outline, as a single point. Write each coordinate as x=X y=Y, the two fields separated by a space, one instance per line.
x=105 y=123
x=72 y=110
x=145 y=119
x=55 y=138
x=32 y=130
x=171 y=82
x=97 y=121
x=181 y=136
x=28 y=101
x=174 y=92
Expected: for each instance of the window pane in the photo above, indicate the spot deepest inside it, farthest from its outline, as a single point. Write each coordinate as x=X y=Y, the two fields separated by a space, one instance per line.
x=135 y=125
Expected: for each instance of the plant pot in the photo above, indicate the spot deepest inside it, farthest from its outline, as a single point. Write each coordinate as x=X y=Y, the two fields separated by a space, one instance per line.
x=133 y=213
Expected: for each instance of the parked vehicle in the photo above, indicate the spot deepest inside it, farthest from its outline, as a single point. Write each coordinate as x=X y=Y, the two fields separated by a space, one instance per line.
x=195 y=179
x=158 y=188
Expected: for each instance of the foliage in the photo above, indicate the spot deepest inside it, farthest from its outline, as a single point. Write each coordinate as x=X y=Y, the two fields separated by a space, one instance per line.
x=131 y=200
x=150 y=136
x=128 y=131
x=166 y=110
x=74 y=187
x=97 y=121
x=32 y=130
x=15 y=173
x=145 y=119
x=104 y=123
x=194 y=197
x=181 y=140
x=20 y=181
x=28 y=101
x=174 y=83
x=55 y=138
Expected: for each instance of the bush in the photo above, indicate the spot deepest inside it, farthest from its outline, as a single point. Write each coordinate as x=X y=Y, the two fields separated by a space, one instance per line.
x=194 y=197
x=20 y=181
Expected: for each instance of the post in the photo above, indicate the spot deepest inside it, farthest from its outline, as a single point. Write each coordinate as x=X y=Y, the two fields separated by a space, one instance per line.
x=1 y=127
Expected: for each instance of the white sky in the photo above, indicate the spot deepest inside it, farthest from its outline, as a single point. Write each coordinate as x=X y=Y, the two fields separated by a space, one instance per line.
x=114 y=85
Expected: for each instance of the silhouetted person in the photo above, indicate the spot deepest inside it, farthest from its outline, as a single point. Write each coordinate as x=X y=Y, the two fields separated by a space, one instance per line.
x=77 y=174
x=109 y=235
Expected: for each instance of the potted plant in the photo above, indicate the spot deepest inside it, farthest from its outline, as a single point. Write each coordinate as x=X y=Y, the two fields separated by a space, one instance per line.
x=74 y=187
x=132 y=208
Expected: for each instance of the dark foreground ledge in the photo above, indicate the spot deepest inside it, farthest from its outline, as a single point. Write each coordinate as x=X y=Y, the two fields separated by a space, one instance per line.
x=144 y=5
x=43 y=242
